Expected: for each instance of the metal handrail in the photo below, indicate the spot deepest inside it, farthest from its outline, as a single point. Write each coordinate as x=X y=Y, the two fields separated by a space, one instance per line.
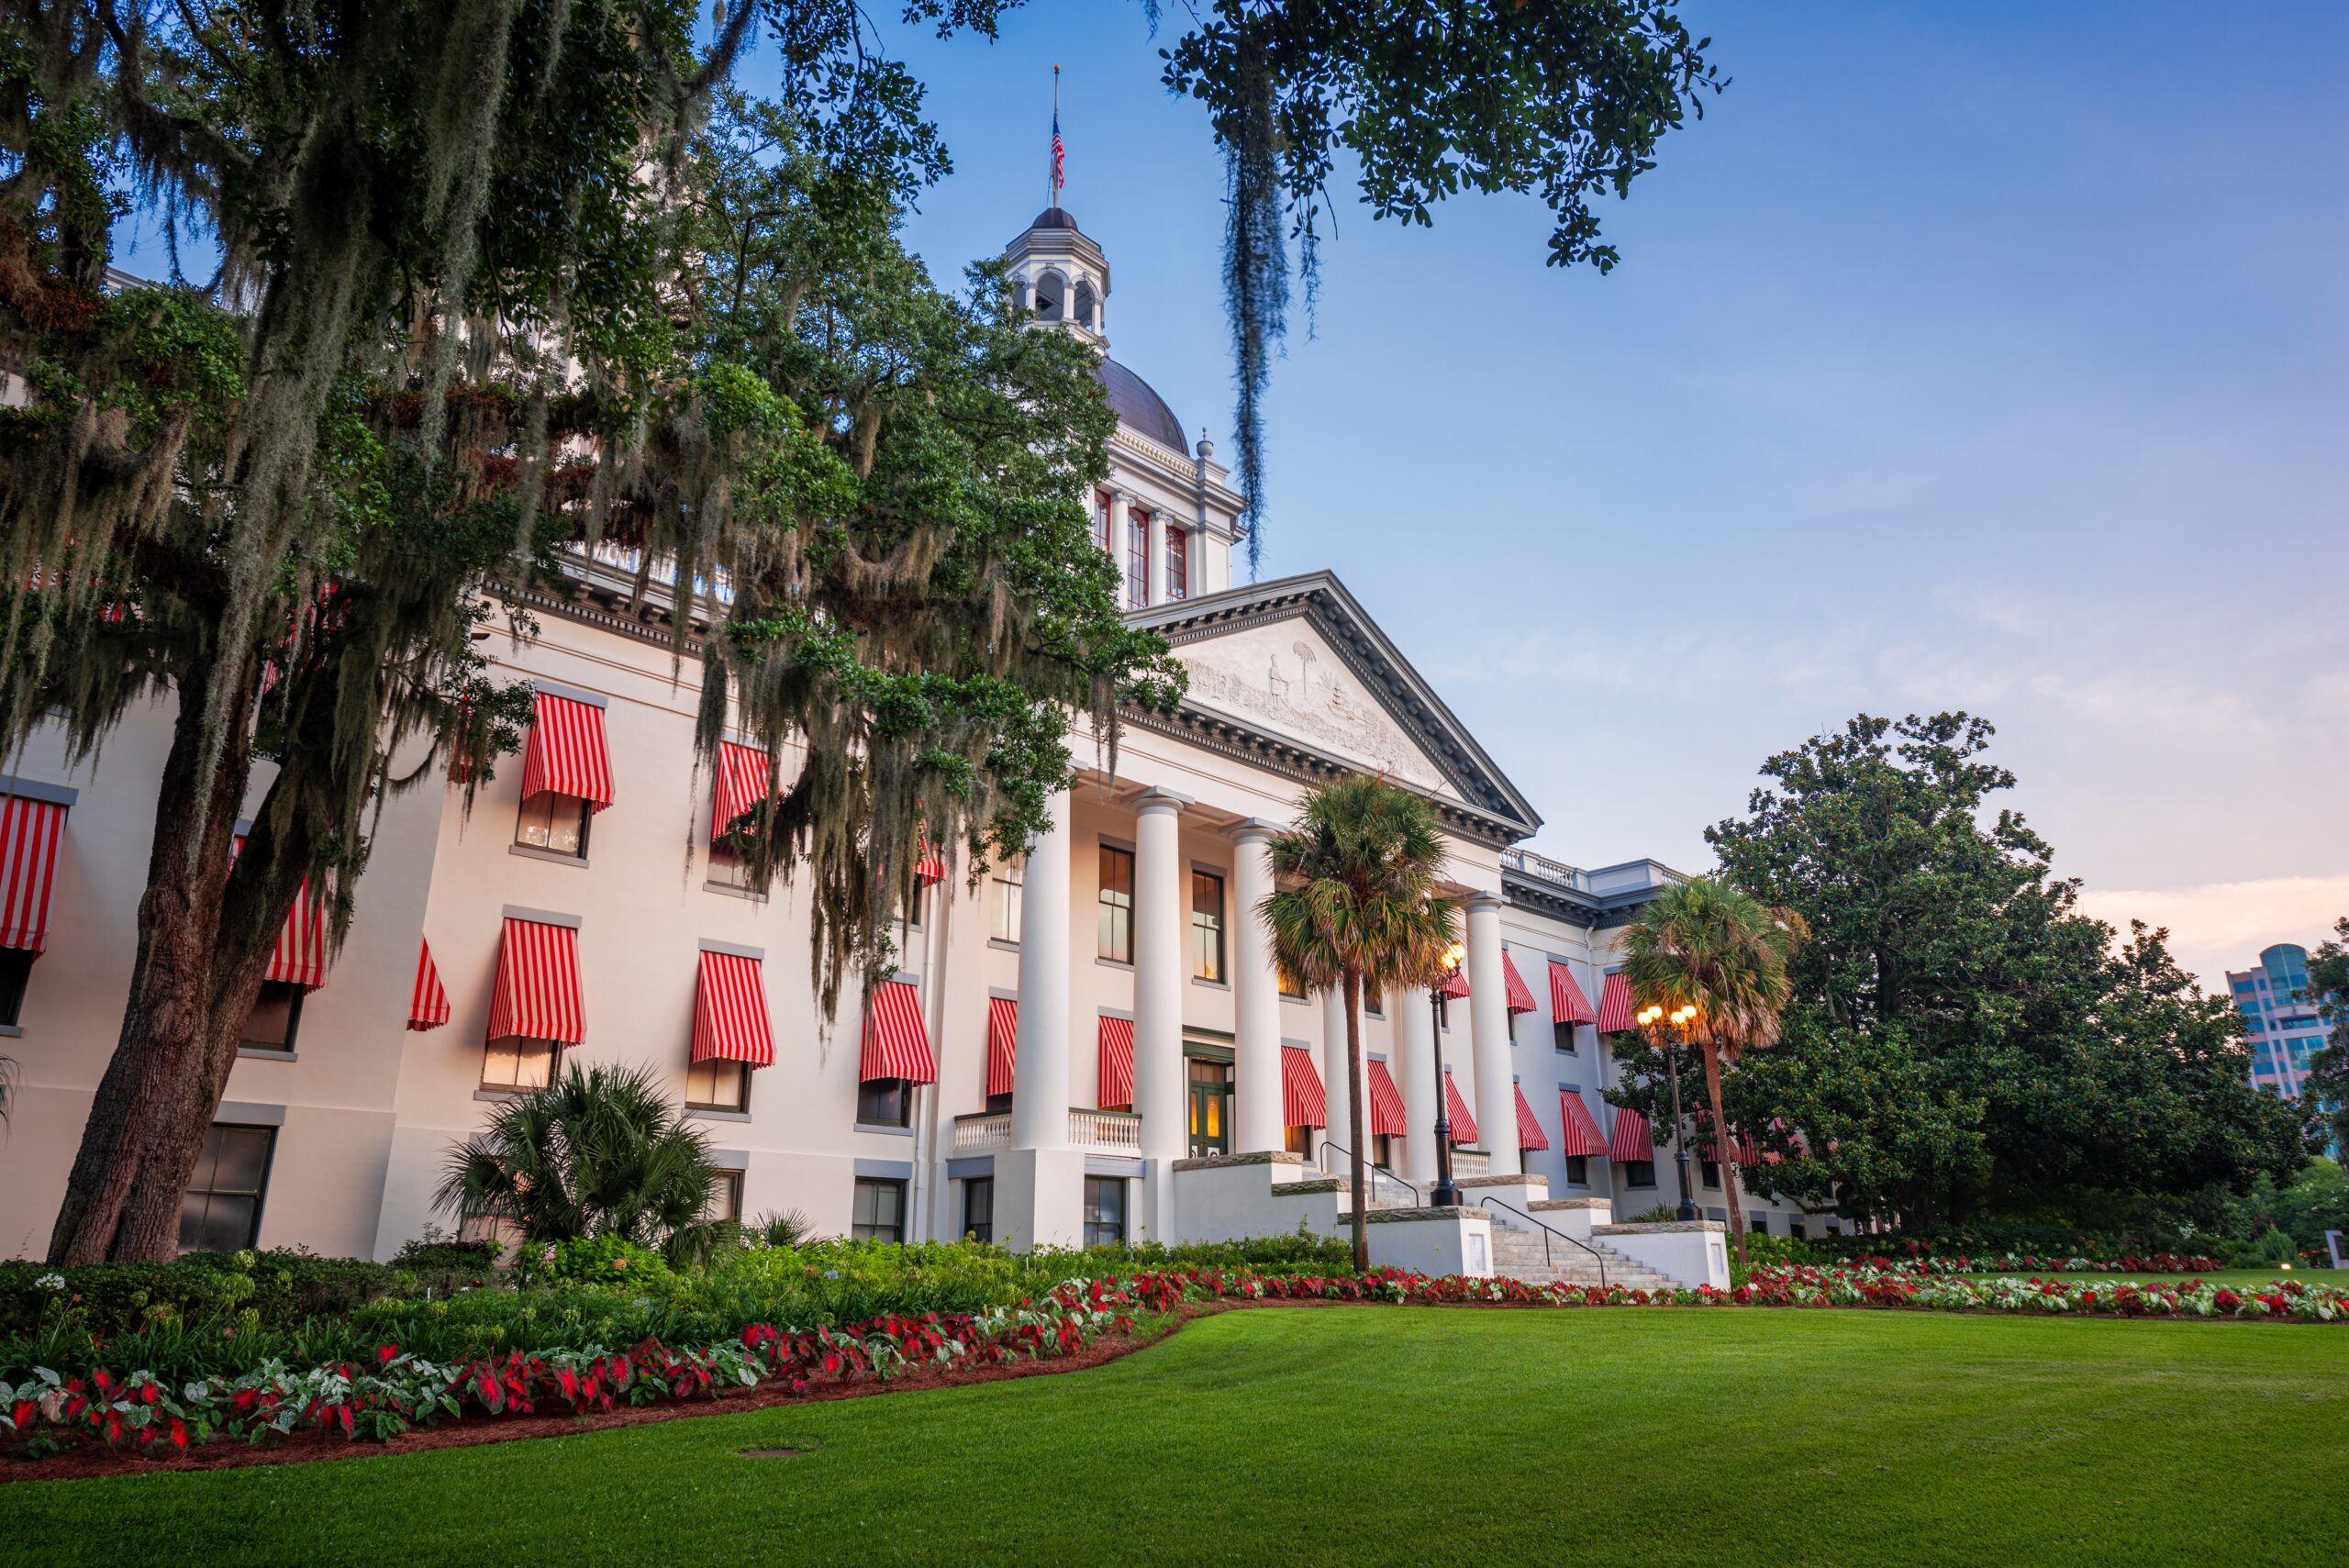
x=1550 y=1232
x=1322 y=1159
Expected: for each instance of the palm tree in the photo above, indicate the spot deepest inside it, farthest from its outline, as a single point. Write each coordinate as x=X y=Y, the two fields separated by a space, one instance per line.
x=1707 y=944
x=599 y=1151
x=1358 y=904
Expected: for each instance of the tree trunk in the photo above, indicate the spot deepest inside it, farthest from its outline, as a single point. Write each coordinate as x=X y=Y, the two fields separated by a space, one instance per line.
x=157 y=1076
x=1351 y=982
x=204 y=941
x=1724 y=1151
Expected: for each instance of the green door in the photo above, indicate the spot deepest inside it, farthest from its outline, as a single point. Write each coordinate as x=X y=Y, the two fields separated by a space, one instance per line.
x=1210 y=1107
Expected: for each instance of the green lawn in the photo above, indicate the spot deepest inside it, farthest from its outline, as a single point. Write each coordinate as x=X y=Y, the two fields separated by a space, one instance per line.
x=1375 y=1434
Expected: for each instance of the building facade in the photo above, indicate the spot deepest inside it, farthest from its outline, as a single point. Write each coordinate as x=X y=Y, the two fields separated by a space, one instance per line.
x=1069 y=1035
x=2281 y=1014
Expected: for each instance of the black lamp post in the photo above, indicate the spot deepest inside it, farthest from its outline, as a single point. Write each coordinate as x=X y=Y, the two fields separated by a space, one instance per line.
x=1445 y=1193
x=1653 y=1017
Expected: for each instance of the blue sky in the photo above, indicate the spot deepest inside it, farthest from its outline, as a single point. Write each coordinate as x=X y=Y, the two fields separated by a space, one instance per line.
x=1982 y=356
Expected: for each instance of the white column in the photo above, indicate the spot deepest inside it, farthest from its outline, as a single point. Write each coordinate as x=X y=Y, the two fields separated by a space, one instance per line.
x=1159 y=983
x=1488 y=1012
x=1155 y=572
x=1040 y=1099
x=1120 y=505
x=1412 y=1026
x=1256 y=1000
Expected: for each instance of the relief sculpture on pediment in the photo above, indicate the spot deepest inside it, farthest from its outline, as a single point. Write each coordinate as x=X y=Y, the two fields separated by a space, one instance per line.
x=1293 y=686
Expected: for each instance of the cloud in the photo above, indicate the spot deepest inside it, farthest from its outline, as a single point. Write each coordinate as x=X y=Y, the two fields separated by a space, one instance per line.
x=2220 y=926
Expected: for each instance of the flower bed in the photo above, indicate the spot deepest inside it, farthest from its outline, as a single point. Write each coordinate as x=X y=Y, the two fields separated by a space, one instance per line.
x=2032 y=1263
x=400 y=1390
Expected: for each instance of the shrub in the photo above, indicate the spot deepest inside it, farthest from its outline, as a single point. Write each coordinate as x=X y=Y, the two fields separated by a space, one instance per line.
x=614 y=1261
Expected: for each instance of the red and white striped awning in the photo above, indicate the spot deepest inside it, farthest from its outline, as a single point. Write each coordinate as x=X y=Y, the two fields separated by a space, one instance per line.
x=300 y=956
x=1580 y=1135
x=1614 y=1005
x=566 y=751
x=1002 y=1043
x=741 y=785
x=1802 y=1146
x=1631 y=1140
x=1529 y=1126
x=1302 y=1102
x=1746 y=1154
x=1455 y=987
x=730 y=1012
x=1455 y=1110
x=1520 y=995
x=31 y=831
x=1568 y=1004
x=897 y=1045
x=931 y=867
x=1387 y=1116
x=1117 y=1063
x=536 y=995
x=427 y=1000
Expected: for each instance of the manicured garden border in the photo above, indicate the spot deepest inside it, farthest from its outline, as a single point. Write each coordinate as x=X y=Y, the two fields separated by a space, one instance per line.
x=135 y=1416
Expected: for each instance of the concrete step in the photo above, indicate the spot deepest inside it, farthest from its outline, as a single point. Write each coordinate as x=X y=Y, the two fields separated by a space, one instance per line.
x=1518 y=1254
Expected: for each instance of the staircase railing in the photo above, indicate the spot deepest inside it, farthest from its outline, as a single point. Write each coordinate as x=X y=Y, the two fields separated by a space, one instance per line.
x=1376 y=1170
x=1548 y=1231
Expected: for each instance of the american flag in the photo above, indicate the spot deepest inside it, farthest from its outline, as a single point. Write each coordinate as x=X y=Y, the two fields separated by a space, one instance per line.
x=1060 y=172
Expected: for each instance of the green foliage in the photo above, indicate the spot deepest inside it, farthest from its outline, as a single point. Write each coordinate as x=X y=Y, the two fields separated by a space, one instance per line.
x=2325 y=1090
x=608 y=1259
x=1961 y=1041
x=599 y=1152
x=216 y=1290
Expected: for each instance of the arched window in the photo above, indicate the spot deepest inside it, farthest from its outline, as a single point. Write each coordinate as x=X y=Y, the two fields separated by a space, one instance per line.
x=1101 y=518
x=1137 y=557
x=1087 y=303
x=1051 y=296
x=1178 y=562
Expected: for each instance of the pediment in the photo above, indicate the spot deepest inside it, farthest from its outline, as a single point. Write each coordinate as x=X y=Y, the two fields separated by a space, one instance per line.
x=1297 y=664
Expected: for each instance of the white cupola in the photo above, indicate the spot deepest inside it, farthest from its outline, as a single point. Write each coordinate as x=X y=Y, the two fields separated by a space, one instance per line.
x=1060 y=273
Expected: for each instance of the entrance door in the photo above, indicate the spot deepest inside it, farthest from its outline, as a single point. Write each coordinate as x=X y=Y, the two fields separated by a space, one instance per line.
x=1210 y=1107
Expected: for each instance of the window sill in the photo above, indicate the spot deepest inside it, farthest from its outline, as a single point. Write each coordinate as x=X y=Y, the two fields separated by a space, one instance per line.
x=1211 y=985
x=712 y=1113
x=1116 y=963
x=265 y=1053
x=532 y=852
x=1294 y=1001
x=877 y=1127
x=498 y=1096
x=731 y=891
x=12 y=1031
x=999 y=942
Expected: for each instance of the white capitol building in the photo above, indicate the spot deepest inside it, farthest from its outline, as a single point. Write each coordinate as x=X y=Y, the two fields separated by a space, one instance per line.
x=1092 y=1044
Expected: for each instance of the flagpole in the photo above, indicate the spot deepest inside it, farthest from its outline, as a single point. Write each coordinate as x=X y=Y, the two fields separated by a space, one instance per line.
x=1053 y=166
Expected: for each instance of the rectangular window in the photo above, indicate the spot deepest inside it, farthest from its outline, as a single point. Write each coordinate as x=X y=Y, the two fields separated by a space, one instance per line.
x=1101 y=518
x=1105 y=1210
x=221 y=1212
x=1759 y=1225
x=1116 y=904
x=1382 y=1149
x=1579 y=1170
x=556 y=823
x=1206 y=925
x=1794 y=1227
x=1444 y=1013
x=978 y=1208
x=1136 y=558
x=1003 y=909
x=1638 y=1172
x=1710 y=1172
x=878 y=1213
x=1299 y=1141
x=1178 y=564
x=726 y=868
x=726 y=1196
x=276 y=1017
x=1291 y=984
x=515 y=1062
x=885 y=1102
x=16 y=974
x=1372 y=1005
x=1563 y=1036
x=716 y=1085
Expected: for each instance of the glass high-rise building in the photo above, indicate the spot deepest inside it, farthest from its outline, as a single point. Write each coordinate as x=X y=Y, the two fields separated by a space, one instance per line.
x=2284 y=1029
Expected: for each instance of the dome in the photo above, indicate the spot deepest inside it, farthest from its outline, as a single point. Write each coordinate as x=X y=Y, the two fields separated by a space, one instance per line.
x=1055 y=217
x=1138 y=407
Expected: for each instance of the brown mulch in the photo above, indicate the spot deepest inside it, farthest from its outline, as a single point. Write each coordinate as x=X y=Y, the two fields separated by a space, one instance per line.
x=87 y=1458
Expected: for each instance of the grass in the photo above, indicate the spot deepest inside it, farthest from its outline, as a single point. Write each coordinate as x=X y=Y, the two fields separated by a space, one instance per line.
x=1377 y=1434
